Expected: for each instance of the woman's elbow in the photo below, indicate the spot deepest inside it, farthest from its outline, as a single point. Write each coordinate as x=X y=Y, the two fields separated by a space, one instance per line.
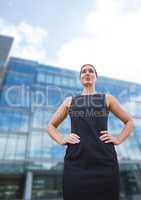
x=132 y=123
x=49 y=127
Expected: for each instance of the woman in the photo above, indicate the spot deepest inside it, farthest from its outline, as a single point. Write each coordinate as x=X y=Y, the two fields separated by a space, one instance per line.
x=91 y=168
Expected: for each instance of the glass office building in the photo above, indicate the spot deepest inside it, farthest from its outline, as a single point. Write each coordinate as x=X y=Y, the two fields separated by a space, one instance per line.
x=31 y=162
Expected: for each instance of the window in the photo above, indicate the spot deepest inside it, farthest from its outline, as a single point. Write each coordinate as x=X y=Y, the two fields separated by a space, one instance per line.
x=21 y=148
x=49 y=78
x=13 y=121
x=65 y=81
x=35 y=145
x=38 y=118
x=3 y=145
x=11 y=147
x=41 y=77
x=57 y=80
x=18 y=79
x=44 y=77
x=72 y=82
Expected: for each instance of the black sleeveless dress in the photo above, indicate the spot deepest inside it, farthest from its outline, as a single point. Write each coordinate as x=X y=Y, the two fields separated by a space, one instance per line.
x=91 y=169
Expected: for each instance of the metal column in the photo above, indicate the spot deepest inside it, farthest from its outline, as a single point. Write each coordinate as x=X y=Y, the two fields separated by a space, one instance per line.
x=28 y=186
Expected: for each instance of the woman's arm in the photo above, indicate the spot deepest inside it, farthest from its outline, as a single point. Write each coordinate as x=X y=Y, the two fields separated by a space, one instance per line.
x=115 y=107
x=60 y=114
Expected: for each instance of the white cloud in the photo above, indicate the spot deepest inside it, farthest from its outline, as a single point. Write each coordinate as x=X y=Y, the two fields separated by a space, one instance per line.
x=112 y=41
x=10 y=3
x=29 y=41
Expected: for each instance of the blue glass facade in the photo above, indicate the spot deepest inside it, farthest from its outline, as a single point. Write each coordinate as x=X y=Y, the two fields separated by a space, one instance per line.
x=30 y=94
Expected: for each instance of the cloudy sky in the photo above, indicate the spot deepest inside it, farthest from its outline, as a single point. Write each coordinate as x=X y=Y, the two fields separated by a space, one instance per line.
x=69 y=33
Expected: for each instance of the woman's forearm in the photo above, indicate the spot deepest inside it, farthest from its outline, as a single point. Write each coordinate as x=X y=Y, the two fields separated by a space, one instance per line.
x=52 y=131
x=126 y=131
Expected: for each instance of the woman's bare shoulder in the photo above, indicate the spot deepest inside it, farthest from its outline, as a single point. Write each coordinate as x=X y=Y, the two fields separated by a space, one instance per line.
x=68 y=101
x=108 y=99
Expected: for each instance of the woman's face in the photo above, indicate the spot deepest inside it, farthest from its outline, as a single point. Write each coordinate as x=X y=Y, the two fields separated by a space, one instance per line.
x=87 y=76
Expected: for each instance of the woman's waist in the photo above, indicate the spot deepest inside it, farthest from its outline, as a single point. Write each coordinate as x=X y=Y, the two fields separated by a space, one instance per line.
x=91 y=151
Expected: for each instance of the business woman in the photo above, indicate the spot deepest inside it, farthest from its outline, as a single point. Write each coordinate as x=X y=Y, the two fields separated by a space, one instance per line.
x=91 y=169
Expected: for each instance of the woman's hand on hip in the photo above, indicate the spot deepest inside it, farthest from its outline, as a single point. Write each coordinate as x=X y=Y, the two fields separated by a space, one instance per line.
x=106 y=137
x=71 y=138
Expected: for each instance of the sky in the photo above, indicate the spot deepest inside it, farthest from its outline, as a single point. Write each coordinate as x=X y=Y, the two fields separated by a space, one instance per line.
x=70 y=33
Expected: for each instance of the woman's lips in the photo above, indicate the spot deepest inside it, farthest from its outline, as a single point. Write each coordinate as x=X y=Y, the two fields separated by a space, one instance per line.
x=87 y=78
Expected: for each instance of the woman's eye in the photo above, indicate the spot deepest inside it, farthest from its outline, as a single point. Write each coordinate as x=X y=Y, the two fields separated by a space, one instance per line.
x=89 y=70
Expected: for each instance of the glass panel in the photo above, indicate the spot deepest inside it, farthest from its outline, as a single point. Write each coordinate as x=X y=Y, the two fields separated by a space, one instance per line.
x=11 y=147
x=23 y=66
x=11 y=96
x=4 y=121
x=3 y=145
x=78 y=83
x=130 y=181
x=65 y=81
x=35 y=145
x=37 y=119
x=21 y=148
x=49 y=78
x=56 y=151
x=46 y=145
x=41 y=118
x=13 y=121
x=18 y=79
x=72 y=82
x=121 y=152
x=41 y=77
x=57 y=80
x=55 y=95
x=47 y=187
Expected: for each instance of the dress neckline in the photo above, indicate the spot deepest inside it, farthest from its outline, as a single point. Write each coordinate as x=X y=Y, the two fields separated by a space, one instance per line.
x=88 y=94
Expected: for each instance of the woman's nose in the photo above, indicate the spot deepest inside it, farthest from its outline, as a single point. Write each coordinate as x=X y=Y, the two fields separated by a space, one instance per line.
x=87 y=72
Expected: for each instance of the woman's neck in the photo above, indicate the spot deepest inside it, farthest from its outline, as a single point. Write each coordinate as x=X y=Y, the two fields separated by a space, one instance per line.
x=88 y=91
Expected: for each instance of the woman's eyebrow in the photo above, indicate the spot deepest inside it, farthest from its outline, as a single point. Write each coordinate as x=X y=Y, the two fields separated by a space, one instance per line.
x=87 y=69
